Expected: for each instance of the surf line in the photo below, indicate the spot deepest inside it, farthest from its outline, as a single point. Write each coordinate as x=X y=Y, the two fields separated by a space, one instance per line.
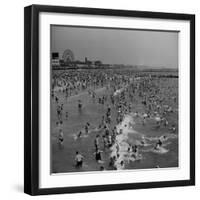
x=121 y=151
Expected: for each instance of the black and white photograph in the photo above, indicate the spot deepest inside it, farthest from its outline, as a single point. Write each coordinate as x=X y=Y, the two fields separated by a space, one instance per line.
x=114 y=99
x=109 y=99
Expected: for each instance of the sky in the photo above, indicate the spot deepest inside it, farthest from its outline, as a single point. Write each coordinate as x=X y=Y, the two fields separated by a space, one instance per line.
x=117 y=46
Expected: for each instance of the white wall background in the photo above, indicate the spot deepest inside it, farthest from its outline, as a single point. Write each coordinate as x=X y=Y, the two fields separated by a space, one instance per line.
x=11 y=100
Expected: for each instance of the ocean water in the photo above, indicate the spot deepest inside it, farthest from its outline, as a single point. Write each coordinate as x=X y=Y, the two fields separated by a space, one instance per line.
x=63 y=158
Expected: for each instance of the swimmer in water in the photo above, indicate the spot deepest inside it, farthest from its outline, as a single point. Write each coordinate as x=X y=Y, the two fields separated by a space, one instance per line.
x=119 y=165
x=60 y=138
x=79 y=104
x=122 y=165
x=117 y=148
x=56 y=98
x=158 y=144
x=112 y=161
x=105 y=141
x=173 y=129
x=79 y=159
x=102 y=168
x=79 y=134
x=87 y=128
x=109 y=140
x=143 y=141
x=135 y=151
x=98 y=155
x=143 y=121
x=96 y=142
x=66 y=115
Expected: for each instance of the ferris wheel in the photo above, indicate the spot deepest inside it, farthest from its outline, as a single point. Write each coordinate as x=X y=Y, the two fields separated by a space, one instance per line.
x=68 y=56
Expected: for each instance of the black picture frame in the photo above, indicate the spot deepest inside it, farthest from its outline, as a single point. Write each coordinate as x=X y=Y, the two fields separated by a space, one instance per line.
x=31 y=98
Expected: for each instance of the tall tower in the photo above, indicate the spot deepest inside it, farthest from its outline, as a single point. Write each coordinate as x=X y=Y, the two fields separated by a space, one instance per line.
x=55 y=59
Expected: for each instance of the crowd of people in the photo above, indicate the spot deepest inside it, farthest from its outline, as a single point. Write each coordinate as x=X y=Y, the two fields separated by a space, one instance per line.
x=146 y=98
